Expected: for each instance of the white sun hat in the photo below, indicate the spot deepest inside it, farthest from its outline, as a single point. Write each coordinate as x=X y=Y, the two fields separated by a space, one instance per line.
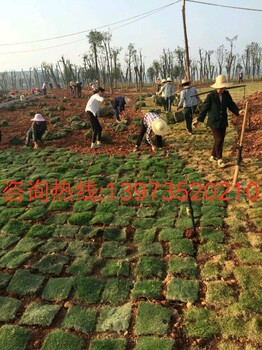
x=159 y=126
x=38 y=118
x=221 y=82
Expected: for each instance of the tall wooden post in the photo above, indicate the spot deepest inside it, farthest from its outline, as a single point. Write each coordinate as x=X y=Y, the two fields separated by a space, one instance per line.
x=186 y=41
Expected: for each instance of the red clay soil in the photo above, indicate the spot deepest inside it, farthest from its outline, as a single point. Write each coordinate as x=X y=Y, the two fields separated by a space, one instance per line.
x=19 y=122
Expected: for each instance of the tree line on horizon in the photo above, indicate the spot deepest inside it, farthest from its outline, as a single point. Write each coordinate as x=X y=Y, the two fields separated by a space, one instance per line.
x=102 y=63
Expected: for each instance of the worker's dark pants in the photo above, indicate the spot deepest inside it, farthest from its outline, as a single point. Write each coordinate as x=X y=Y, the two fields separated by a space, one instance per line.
x=96 y=127
x=159 y=140
x=219 y=136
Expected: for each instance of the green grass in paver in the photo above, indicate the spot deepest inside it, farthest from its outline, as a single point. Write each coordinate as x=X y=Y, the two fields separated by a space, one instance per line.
x=39 y=314
x=116 y=268
x=8 y=240
x=51 y=263
x=88 y=289
x=52 y=246
x=62 y=340
x=182 y=290
x=66 y=231
x=210 y=234
x=181 y=246
x=148 y=266
x=152 y=319
x=13 y=259
x=82 y=320
x=219 y=294
x=150 y=343
x=116 y=291
x=113 y=250
x=34 y=213
x=57 y=288
x=185 y=266
x=25 y=283
x=150 y=249
x=77 y=248
x=13 y=337
x=80 y=219
x=147 y=235
x=168 y=234
x=200 y=323
x=114 y=234
x=249 y=256
x=82 y=265
x=150 y=288
x=8 y=308
x=28 y=244
x=115 y=319
x=4 y=279
x=16 y=227
x=107 y=344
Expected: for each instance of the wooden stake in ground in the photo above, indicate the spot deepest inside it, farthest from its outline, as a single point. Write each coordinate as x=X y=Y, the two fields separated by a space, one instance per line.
x=240 y=147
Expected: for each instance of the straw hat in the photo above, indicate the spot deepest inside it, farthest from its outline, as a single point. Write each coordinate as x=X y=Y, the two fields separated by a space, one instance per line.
x=163 y=81
x=169 y=79
x=221 y=82
x=185 y=81
x=38 y=118
x=159 y=126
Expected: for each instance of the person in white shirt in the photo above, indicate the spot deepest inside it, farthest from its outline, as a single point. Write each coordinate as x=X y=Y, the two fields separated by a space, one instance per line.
x=92 y=109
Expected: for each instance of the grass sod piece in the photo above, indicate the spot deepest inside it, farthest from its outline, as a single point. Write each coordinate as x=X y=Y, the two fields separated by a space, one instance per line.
x=9 y=213
x=144 y=223
x=62 y=340
x=39 y=314
x=200 y=323
x=8 y=308
x=116 y=268
x=185 y=266
x=147 y=235
x=168 y=234
x=113 y=250
x=4 y=279
x=150 y=249
x=25 y=283
x=210 y=234
x=34 y=213
x=80 y=219
x=69 y=231
x=82 y=265
x=57 y=288
x=114 y=319
x=232 y=324
x=59 y=205
x=149 y=288
x=28 y=244
x=116 y=291
x=152 y=319
x=80 y=319
x=83 y=206
x=16 y=227
x=102 y=218
x=57 y=219
x=51 y=263
x=88 y=289
x=13 y=337
x=211 y=269
x=219 y=294
x=42 y=231
x=249 y=256
x=114 y=234
x=182 y=290
x=14 y=259
x=108 y=344
x=181 y=246
x=8 y=240
x=150 y=267
x=52 y=246
x=148 y=343
x=78 y=248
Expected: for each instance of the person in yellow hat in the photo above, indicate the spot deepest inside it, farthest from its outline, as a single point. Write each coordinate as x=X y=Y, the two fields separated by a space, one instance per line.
x=216 y=105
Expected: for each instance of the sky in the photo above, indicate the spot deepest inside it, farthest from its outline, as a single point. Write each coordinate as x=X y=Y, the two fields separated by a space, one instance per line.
x=161 y=27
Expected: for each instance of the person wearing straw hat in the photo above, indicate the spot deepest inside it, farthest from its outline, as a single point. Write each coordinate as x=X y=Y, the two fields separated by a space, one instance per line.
x=188 y=102
x=37 y=130
x=151 y=121
x=215 y=105
x=168 y=94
